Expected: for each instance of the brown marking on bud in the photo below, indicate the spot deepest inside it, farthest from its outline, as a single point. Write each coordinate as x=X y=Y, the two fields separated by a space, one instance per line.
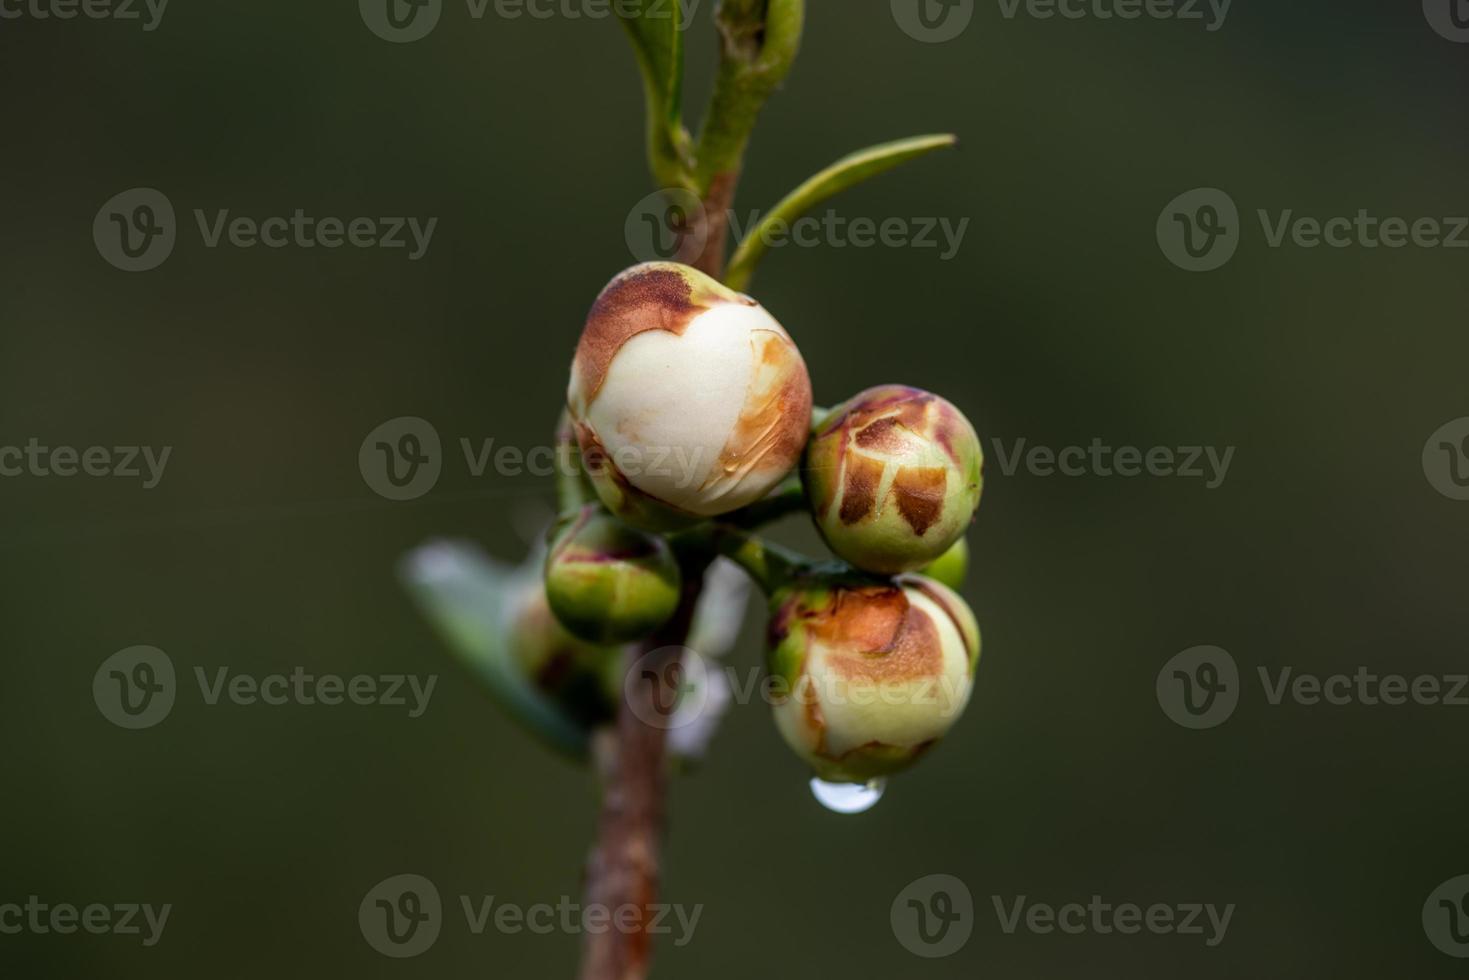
x=875 y=635
x=860 y=481
x=863 y=619
x=920 y=496
x=947 y=425
x=776 y=419
x=882 y=436
x=944 y=599
x=635 y=302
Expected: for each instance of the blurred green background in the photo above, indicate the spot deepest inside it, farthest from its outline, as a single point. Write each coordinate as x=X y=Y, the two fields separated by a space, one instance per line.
x=1059 y=321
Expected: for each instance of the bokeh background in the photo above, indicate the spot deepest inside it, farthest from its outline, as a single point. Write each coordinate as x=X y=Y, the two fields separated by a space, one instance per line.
x=1059 y=321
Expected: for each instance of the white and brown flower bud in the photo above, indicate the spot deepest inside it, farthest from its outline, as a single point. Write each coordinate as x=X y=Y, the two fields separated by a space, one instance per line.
x=870 y=674
x=689 y=399
x=893 y=477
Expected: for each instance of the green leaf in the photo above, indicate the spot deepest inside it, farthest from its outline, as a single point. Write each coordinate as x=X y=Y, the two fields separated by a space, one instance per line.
x=656 y=30
x=465 y=595
x=846 y=172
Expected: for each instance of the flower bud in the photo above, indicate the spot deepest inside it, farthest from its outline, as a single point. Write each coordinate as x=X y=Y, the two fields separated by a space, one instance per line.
x=869 y=674
x=951 y=567
x=607 y=582
x=689 y=399
x=893 y=477
x=582 y=680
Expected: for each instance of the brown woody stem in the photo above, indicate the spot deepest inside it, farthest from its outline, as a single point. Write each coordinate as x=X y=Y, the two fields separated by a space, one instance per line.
x=631 y=758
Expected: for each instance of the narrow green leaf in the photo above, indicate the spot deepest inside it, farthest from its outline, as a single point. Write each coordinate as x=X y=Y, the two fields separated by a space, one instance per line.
x=846 y=172
x=656 y=30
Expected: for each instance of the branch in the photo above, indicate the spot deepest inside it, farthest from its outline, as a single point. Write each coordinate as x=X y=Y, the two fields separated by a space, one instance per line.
x=759 y=40
x=623 y=868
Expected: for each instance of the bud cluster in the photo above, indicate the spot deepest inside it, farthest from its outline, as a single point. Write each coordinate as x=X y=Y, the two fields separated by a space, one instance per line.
x=874 y=655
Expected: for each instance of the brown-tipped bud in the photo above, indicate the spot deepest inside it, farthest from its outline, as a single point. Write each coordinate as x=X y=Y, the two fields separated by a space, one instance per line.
x=689 y=399
x=893 y=477
x=870 y=674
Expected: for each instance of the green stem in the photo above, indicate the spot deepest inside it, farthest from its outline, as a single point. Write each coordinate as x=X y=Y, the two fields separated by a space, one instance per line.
x=573 y=489
x=759 y=40
x=789 y=498
x=771 y=566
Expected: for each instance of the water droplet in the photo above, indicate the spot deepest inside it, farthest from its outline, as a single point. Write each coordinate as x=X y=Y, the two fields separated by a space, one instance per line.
x=848 y=797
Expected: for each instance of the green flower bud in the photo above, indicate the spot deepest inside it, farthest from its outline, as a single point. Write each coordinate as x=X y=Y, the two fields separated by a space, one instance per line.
x=689 y=400
x=951 y=567
x=893 y=477
x=582 y=680
x=869 y=673
x=608 y=582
